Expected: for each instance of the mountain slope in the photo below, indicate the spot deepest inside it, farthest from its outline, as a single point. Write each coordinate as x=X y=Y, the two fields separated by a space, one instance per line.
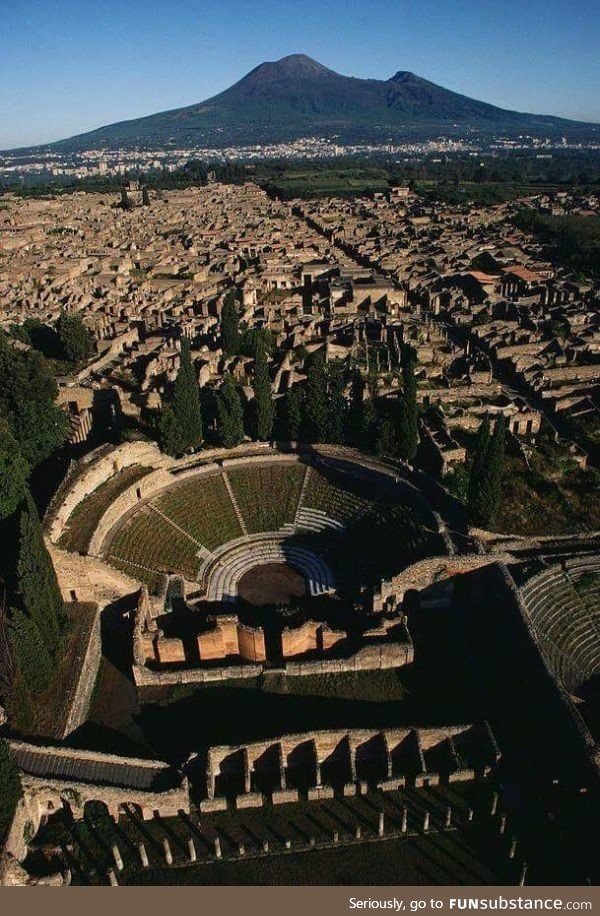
x=296 y=96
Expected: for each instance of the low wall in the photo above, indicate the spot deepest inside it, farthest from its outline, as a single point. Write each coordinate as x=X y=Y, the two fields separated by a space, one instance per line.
x=370 y=658
x=144 y=677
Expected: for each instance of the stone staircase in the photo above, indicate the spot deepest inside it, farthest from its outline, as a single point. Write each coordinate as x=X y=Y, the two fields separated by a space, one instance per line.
x=234 y=503
x=302 y=493
x=202 y=551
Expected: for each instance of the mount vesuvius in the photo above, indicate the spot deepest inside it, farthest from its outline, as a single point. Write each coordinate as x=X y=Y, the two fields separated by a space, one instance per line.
x=299 y=97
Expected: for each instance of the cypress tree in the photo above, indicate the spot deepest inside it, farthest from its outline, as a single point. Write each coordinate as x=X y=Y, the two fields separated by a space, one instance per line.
x=355 y=419
x=186 y=401
x=230 y=414
x=387 y=442
x=408 y=422
x=38 y=591
x=145 y=197
x=264 y=408
x=169 y=433
x=10 y=788
x=294 y=411
x=230 y=326
x=494 y=475
x=316 y=403
x=337 y=407
x=30 y=653
x=476 y=494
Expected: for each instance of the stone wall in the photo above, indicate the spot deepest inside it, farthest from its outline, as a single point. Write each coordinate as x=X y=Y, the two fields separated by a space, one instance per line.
x=252 y=643
x=144 y=677
x=370 y=658
x=427 y=572
x=300 y=640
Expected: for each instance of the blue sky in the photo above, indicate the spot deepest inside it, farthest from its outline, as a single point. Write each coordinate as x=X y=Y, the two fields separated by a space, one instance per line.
x=71 y=65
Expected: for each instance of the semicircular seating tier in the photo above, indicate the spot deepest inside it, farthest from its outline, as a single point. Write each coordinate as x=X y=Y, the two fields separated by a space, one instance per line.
x=341 y=516
x=563 y=606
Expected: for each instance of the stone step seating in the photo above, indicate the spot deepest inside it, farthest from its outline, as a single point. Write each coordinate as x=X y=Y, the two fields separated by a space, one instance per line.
x=151 y=542
x=222 y=572
x=201 y=507
x=315 y=520
x=562 y=619
x=267 y=494
x=326 y=496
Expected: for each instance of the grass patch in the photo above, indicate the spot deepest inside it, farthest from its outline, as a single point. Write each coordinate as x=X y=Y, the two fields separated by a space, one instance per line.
x=84 y=519
x=52 y=708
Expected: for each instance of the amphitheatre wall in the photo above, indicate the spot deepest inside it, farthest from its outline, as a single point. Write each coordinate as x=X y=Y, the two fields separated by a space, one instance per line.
x=84 y=578
x=95 y=469
x=91 y=472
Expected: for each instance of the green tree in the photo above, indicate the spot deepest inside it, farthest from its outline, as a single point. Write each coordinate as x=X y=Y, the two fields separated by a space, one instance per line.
x=11 y=790
x=408 y=420
x=230 y=325
x=14 y=472
x=27 y=393
x=30 y=653
x=186 y=400
x=263 y=406
x=170 y=436
x=316 y=402
x=338 y=406
x=387 y=440
x=294 y=412
x=356 y=416
x=477 y=494
x=37 y=589
x=494 y=473
x=145 y=197
x=230 y=414
x=75 y=339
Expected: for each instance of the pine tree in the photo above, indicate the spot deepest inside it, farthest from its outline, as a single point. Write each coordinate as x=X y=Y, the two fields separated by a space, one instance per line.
x=38 y=591
x=264 y=408
x=32 y=658
x=338 y=406
x=186 y=400
x=408 y=420
x=477 y=493
x=316 y=402
x=10 y=788
x=230 y=325
x=230 y=414
x=294 y=411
